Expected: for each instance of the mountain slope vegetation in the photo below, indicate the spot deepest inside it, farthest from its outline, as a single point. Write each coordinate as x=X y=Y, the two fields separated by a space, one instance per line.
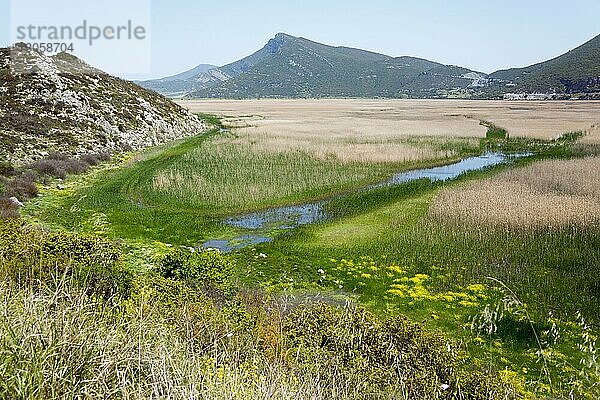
x=289 y=66
x=296 y=67
x=577 y=71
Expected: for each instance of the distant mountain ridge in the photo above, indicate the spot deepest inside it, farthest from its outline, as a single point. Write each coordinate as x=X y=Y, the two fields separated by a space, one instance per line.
x=295 y=67
x=178 y=84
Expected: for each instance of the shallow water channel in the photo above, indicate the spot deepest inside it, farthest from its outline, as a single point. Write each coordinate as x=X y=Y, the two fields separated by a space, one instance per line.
x=263 y=226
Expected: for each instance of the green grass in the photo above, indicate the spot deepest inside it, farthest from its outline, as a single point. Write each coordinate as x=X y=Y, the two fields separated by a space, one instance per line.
x=384 y=249
x=180 y=193
x=228 y=178
x=380 y=248
x=494 y=132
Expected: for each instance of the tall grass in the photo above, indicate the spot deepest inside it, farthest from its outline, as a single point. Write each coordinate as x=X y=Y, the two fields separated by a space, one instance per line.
x=62 y=344
x=238 y=177
x=169 y=338
x=398 y=118
x=398 y=255
x=179 y=194
x=547 y=194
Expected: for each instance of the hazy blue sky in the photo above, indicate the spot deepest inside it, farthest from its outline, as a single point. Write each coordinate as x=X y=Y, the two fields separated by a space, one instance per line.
x=482 y=35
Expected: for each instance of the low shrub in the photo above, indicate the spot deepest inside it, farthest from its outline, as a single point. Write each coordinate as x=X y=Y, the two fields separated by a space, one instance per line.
x=90 y=159
x=57 y=156
x=22 y=183
x=33 y=258
x=210 y=271
x=8 y=209
x=50 y=168
x=22 y=186
x=95 y=159
x=6 y=168
x=58 y=165
x=396 y=356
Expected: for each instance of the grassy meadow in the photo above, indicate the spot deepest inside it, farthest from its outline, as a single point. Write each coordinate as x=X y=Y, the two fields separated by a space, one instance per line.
x=483 y=287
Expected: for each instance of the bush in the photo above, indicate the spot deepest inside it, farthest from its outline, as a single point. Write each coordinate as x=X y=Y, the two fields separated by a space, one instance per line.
x=6 y=168
x=8 y=209
x=56 y=156
x=383 y=358
x=95 y=159
x=22 y=187
x=90 y=159
x=58 y=165
x=33 y=258
x=53 y=168
x=208 y=270
x=103 y=156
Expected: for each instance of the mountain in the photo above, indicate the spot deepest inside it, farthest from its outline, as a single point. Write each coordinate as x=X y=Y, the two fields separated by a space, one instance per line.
x=295 y=67
x=192 y=73
x=289 y=66
x=198 y=80
x=179 y=84
x=577 y=71
x=60 y=103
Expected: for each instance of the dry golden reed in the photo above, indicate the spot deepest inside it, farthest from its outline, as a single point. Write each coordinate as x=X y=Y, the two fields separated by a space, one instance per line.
x=400 y=118
x=546 y=194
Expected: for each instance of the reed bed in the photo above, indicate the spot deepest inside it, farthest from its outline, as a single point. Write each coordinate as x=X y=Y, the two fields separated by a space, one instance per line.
x=546 y=194
x=400 y=118
x=348 y=148
x=248 y=171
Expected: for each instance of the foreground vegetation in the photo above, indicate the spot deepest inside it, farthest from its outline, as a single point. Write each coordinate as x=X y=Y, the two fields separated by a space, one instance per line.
x=77 y=323
x=519 y=306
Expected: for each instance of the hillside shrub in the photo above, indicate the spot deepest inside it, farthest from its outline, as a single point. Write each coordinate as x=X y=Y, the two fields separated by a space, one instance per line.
x=6 y=168
x=95 y=158
x=8 y=210
x=22 y=186
x=58 y=165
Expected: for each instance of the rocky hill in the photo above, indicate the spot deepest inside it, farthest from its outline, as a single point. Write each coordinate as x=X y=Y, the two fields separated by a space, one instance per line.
x=61 y=104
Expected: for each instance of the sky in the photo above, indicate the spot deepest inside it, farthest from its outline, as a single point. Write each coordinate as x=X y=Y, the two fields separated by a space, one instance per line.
x=481 y=35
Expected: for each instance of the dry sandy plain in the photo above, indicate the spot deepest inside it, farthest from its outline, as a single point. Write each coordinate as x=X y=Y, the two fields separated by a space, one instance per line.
x=384 y=119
